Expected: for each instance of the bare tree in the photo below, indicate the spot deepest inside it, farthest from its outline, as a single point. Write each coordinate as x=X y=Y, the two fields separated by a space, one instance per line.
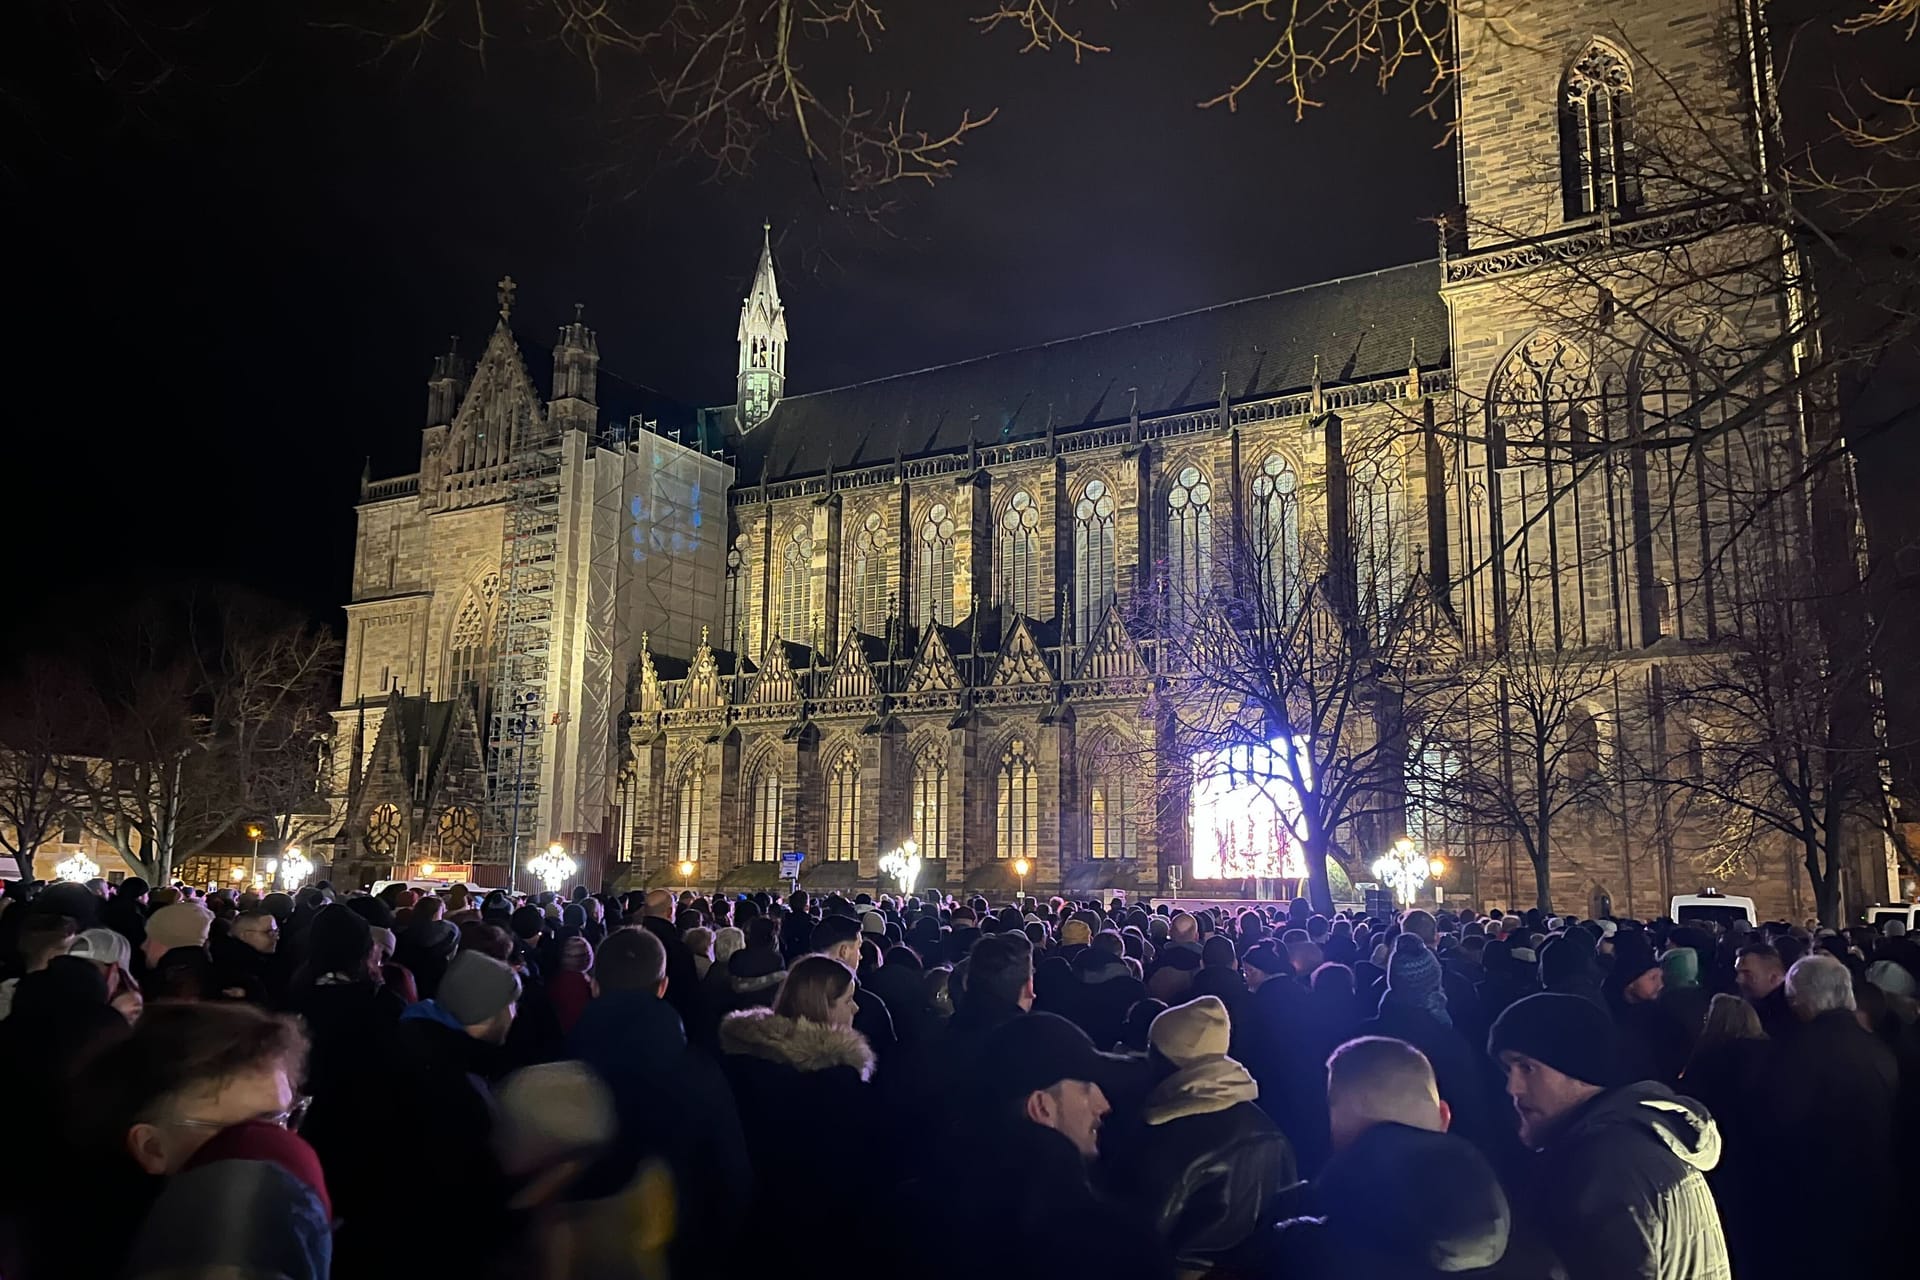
x=212 y=708
x=1513 y=747
x=1291 y=660
x=1766 y=746
x=45 y=731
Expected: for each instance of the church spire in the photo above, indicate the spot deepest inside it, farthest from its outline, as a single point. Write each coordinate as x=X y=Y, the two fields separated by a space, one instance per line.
x=763 y=340
x=447 y=385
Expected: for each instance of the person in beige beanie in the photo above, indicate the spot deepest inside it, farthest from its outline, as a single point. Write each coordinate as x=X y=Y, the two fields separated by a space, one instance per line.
x=182 y=924
x=1205 y=1162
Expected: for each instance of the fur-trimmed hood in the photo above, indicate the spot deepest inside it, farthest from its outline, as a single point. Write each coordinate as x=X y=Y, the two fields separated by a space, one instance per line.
x=795 y=1042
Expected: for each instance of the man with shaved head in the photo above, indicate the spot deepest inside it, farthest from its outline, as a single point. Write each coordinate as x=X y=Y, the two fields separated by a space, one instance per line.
x=683 y=980
x=1391 y=1147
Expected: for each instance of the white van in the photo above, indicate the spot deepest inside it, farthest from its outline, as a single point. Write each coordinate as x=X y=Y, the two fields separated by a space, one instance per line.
x=1905 y=912
x=1708 y=906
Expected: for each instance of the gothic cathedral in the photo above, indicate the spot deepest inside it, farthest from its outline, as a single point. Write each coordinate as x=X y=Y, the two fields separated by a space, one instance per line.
x=940 y=607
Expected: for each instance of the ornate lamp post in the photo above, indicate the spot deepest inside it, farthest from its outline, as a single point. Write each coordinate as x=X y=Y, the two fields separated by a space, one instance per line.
x=551 y=868
x=1020 y=868
x=76 y=870
x=903 y=864
x=686 y=874
x=1403 y=869
x=295 y=867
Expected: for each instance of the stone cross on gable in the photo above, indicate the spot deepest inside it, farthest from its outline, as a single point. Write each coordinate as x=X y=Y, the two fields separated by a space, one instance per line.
x=506 y=288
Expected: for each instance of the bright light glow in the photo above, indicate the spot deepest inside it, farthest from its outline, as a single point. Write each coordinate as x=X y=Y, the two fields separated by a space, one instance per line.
x=686 y=871
x=253 y=832
x=552 y=868
x=76 y=870
x=426 y=869
x=237 y=873
x=1437 y=867
x=903 y=864
x=1403 y=869
x=1021 y=867
x=295 y=867
x=1246 y=812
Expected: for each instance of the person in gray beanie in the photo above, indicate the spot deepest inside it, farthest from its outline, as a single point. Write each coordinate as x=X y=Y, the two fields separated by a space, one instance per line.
x=1413 y=1008
x=1617 y=1184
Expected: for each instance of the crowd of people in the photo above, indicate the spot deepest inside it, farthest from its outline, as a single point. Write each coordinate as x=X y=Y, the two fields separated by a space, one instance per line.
x=650 y=1085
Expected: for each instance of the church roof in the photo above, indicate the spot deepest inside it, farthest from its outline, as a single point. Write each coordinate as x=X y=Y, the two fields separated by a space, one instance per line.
x=1361 y=327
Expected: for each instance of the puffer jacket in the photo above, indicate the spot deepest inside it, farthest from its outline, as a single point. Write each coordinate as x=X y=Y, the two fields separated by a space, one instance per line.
x=1620 y=1191
x=1203 y=1164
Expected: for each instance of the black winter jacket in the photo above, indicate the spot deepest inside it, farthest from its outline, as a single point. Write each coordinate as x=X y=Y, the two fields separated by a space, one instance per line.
x=1203 y=1165
x=1404 y=1204
x=1620 y=1193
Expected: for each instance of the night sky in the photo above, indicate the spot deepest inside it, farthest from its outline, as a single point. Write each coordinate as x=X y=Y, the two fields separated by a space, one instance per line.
x=225 y=295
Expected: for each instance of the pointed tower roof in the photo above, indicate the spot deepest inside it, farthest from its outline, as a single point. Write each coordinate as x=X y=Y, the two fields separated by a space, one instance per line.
x=761 y=312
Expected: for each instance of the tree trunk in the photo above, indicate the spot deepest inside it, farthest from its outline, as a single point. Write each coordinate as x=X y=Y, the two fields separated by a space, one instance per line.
x=1826 y=884
x=1542 y=884
x=1319 y=886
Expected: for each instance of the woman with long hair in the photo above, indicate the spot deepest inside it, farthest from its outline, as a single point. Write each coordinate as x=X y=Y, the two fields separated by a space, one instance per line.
x=799 y=1061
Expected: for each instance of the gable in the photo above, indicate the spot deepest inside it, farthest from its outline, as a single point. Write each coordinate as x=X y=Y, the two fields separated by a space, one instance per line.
x=1113 y=654
x=934 y=670
x=1021 y=662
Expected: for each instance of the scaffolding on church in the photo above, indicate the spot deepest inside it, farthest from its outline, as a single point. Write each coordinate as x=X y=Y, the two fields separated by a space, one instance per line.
x=517 y=726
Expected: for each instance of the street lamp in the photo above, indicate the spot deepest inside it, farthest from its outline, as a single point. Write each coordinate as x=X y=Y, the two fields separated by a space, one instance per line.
x=552 y=867
x=1404 y=869
x=1020 y=868
x=426 y=870
x=295 y=867
x=236 y=874
x=686 y=873
x=903 y=864
x=76 y=870
x=254 y=832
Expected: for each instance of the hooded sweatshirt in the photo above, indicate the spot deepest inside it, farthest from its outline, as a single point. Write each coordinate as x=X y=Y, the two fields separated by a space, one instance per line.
x=1620 y=1189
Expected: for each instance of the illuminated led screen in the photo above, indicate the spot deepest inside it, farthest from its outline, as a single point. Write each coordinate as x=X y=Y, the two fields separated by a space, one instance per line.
x=1246 y=814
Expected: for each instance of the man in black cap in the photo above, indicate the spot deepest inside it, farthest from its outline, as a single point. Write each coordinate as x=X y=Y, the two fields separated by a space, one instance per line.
x=1618 y=1186
x=1040 y=1109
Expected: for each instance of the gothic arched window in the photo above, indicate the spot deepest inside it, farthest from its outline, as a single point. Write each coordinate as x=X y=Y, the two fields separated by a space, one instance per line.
x=796 y=586
x=1112 y=831
x=1432 y=782
x=1596 y=134
x=383 y=830
x=933 y=576
x=470 y=648
x=687 y=801
x=1189 y=544
x=459 y=830
x=1020 y=553
x=930 y=802
x=1379 y=556
x=1276 y=532
x=843 y=807
x=869 y=582
x=738 y=624
x=1093 y=559
x=1017 y=811
x=1580 y=760
x=764 y=824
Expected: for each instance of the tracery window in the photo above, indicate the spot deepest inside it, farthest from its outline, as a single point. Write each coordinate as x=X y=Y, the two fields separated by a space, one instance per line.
x=470 y=647
x=1189 y=544
x=689 y=794
x=383 y=830
x=1018 y=804
x=930 y=802
x=1093 y=558
x=765 y=824
x=1020 y=553
x=933 y=576
x=1110 y=799
x=796 y=586
x=843 y=807
x=738 y=627
x=869 y=577
x=459 y=830
x=1596 y=134
x=1276 y=531
x=1379 y=553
